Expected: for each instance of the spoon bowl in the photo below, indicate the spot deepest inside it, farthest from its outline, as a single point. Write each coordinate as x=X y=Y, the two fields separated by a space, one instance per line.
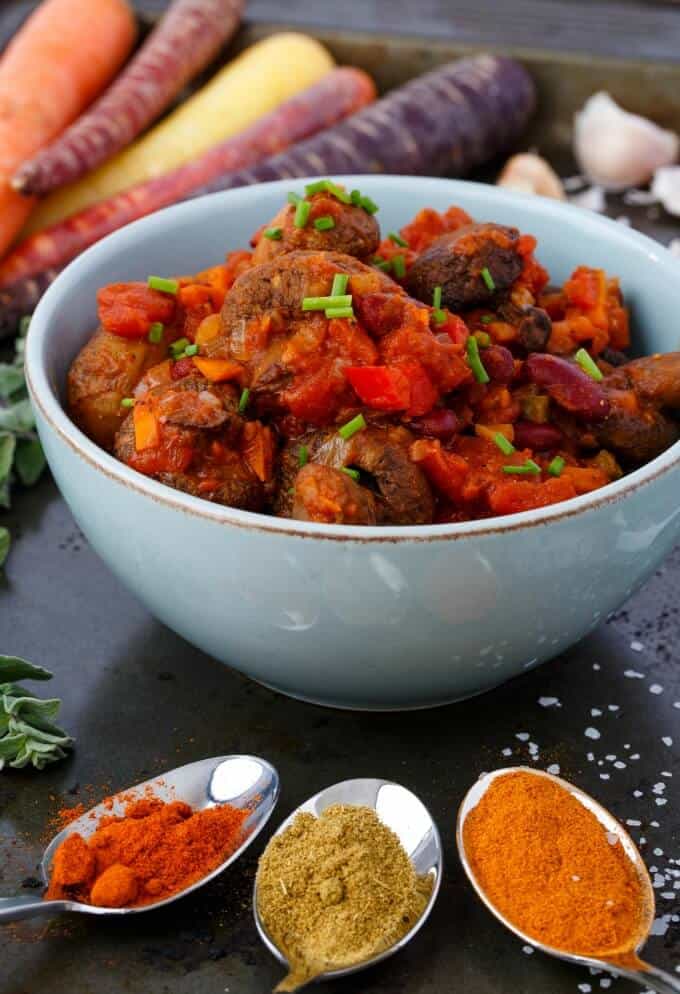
x=242 y=781
x=408 y=818
x=624 y=962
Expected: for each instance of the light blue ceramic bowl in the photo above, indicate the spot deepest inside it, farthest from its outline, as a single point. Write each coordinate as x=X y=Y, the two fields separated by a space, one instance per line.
x=362 y=617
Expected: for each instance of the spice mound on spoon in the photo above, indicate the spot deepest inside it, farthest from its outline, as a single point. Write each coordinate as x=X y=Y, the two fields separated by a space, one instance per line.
x=153 y=843
x=347 y=880
x=559 y=871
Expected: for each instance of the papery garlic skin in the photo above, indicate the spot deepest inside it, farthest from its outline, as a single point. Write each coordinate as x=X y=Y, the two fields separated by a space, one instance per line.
x=616 y=149
x=529 y=173
x=666 y=188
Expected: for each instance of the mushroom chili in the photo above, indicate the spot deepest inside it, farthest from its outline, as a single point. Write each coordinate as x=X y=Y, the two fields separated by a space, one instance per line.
x=328 y=375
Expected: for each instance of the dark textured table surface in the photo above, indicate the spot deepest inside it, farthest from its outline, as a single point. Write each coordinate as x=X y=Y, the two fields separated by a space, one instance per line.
x=140 y=700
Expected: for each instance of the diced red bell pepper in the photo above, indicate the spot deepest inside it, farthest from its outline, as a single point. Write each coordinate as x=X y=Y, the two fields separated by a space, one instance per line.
x=129 y=309
x=423 y=395
x=445 y=470
x=384 y=388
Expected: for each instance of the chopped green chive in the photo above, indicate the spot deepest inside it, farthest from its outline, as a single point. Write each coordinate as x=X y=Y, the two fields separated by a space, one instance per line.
x=191 y=350
x=127 y=402
x=354 y=473
x=301 y=215
x=178 y=347
x=399 y=266
x=273 y=234
x=165 y=286
x=504 y=444
x=156 y=332
x=339 y=312
x=369 y=205
x=439 y=316
x=437 y=297
x=483 y=340
x=321 y=303
x=293 y=198
x=476 y=365
x=488 y=279
x=352 y=427
x=355 y=197
x=340 y=281
x=243 y=400
x=328 y=186
x=487 y=318
x=324 y=223
x=395 y=237
x=530 y=468
x=383 y=264
x=303 y=456
x=588 y=365
x=556 y=466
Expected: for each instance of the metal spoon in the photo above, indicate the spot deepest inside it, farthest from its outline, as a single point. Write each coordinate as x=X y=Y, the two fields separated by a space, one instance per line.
x=242 y=781
x=408 y=817
x=626 y=963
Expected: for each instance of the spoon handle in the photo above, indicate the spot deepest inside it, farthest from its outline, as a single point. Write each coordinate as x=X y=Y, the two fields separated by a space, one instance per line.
x=13 y=909
x=654 y=978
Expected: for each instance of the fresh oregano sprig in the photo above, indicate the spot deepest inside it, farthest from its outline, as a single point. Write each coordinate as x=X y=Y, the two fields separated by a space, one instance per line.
x=21 y=455
x=27 y=734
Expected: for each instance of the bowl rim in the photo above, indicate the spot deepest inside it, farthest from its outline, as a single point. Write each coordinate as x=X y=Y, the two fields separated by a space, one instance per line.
x=44 y=394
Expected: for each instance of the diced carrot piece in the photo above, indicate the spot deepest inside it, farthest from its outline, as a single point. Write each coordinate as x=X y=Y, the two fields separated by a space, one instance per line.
x=490 y=431
x=258 y=449
x=218 y=370
x=208 y=329
x=147 y=429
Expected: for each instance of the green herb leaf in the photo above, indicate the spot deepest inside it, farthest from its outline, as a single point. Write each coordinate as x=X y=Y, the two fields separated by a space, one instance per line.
x=17 y=417
x=14 y=668
x=11 y=380
x=29 y=460
x=5 y=542
x=7 y=447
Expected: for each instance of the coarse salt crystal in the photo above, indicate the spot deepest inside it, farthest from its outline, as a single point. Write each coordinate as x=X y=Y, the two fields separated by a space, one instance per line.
x=667 y=740
x=610 y=758
x=661 y=801
x=638 y=793
x=637 y=646
x=528 y=950
x=590 y=757
x=633 y=675
x=595 y=712
x=613 y=707
x=585 y=988
x=549 y=702
x=522 y=736
x=606 y=982
x=656 y=688
x=591 y=733
x=604 y=776
x=506 y=752
x=633 y=822
x=554 y=768
x=619 y=765
x=658 y=852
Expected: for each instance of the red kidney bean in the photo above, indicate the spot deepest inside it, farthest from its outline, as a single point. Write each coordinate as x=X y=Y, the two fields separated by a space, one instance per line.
x=568 y=386
x=498 y=363
x=529 y=435
x=441 y=423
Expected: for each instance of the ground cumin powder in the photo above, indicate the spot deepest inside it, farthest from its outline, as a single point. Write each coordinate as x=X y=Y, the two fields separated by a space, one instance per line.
x=551 y=868
x=335 y=890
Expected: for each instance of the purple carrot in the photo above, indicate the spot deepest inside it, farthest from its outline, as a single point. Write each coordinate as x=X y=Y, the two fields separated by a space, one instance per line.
x=185 y=41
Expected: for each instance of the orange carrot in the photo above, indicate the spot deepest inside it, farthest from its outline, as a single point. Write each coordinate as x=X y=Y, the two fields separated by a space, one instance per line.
x=59 y=61
x=147 y=431
x=218 y=370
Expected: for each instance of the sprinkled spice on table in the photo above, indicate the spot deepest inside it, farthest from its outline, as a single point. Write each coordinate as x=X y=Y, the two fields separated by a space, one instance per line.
x=336 y=890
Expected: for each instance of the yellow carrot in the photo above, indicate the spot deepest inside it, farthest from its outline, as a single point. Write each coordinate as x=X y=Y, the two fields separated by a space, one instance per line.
x=252 y=85
x=56 y=64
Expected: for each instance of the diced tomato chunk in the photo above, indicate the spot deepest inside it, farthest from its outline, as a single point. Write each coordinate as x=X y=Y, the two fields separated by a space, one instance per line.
x=423 y=395
x=129 y=309
x=445 y=470
x=384 y=388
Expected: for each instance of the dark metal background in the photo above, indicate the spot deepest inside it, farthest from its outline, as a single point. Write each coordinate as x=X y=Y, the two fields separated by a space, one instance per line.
x=140 y=700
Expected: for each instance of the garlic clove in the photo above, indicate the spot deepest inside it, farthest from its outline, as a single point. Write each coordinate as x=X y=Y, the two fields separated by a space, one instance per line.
x=666 y=188
x=529 y=173
x=616 y=149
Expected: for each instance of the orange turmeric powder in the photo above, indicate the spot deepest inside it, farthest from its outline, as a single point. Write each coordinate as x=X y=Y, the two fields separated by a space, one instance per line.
x=549 y=866
x=154 y=850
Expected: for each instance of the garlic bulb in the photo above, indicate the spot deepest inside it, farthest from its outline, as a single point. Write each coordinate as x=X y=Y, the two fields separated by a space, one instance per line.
x=666 y=188
x=530 y=173
x=616 y=149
